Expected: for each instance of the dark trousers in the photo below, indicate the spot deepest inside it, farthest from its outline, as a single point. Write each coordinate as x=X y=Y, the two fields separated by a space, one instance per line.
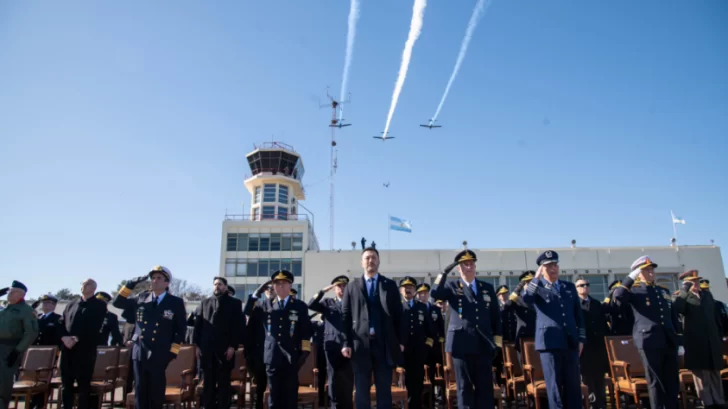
x=382 y=379
x=563 y=381
x=149 y=386
x=323 y=373
x=341 y=384
x=283 y=385
x=434 y=358
x=474 y=378
x=594 y=381
x=77 y=366
x=216 y=372
x=257 y=371
x=661 y=373
x=414 y=379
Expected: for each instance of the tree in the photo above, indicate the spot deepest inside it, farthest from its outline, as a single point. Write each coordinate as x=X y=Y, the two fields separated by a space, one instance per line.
x=65 y=294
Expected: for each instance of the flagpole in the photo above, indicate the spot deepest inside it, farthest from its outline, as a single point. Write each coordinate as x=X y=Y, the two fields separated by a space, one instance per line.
x=674 y=228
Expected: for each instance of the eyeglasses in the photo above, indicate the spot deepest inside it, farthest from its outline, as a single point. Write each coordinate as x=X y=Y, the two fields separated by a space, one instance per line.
x=583 y=285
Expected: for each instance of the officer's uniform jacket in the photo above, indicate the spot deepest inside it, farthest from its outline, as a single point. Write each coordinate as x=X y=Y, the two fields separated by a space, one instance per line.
x=474 y=317
x=18 y=327
x=525 y=318
x=287 y=331
x=508 y=319
x=416 y=330
x=110 y=327
x=559 y=320
x=333 y=339
x=620 y=317
x=160 y=329
x=655 y=320
x=49 y=330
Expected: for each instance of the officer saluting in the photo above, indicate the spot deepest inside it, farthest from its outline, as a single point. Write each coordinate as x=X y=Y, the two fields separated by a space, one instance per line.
x=287 y=340
x=338 y=368
x=654 y=331
x=110 y=325
x=561 y=333
x=416 y=334
x=621 y=317
x=525 y=315
x=160 y=329
x=474 y=330
x=438 y=326
x=49 y=326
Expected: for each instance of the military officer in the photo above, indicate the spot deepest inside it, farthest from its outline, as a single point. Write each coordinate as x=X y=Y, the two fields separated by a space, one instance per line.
x=525 y=315
x=110 y=326
x=48 y=322
x=18 y=330
x=508 y=317
x=255 y=340
x=287 y=341
x=416 y=334
x=722 y=311
x=293 y=293
x=654 y=331
x=474 y=330
x=158 y=334
x=338 y=368
x=561 y=334
x=620 y=317
x=434 y=313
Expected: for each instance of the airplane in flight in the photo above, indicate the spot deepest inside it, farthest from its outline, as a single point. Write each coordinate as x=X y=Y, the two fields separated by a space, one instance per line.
x=431 y=125
x=385 y=184
x=383 y=137
x=338 y=123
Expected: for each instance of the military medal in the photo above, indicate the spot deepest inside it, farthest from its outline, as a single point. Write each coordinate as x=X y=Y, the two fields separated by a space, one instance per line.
x=486 y=297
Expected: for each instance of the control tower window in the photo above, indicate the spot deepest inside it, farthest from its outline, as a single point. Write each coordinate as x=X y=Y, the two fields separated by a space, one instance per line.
x=283 y=194
x=282 y=213
x=269 y=193
x=269 y=212
x=256 y=198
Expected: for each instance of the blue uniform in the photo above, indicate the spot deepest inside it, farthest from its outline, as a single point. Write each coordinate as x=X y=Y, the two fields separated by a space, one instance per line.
x=473 y=334
x=559 y=331
x=655 y=336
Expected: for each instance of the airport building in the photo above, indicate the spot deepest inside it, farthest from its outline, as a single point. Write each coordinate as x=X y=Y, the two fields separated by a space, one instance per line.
x=277 y=235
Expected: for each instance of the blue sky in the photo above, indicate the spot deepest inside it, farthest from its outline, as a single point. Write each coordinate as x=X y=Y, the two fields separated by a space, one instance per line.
x=124 y=126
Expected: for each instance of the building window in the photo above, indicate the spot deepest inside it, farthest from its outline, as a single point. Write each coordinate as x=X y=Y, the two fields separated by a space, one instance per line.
x=242 y=242
x=230 y=267
x=286 y=264
x=491 y=280
x=275 y=242
x=253 y=241
x=512 y=282
x=255 y=213
x=269 y=212
x=269 y=193
x=232 y=242
x=296 y=267
x=297 y=243
x=282 y=213
x=264 y=242
x=283 y=194
x=286 y=239
x=256 y=198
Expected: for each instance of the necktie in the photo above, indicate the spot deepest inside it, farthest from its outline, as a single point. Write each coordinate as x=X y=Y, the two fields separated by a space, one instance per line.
x=411 y=304
x=280 y=304
x=371 y=287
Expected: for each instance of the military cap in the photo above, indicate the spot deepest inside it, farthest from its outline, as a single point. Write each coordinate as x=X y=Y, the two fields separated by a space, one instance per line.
x=466 y=255
x=161 y=270
x=527 y=276
x=407 y=280
x=49 y=297
x=231 y=291
x=705 y=284
x=691 y=275
x=423 y=288
x=282 y=275
x=293 y=292
x=614 y=284
x=502 y=290
x=340 y=280
x=19 y=285
x=103 y=296
x=547 y=257
x=643 y=262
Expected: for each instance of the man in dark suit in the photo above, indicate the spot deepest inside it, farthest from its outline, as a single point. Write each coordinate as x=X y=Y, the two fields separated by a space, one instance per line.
x=216 y=334
x=654 y=333
x=722 y=311
x=338 y=368
x=416 y=334
x=560 y=336
x=48 y=322
x=434 y=313
x=372 y=313
x=474 y=331
x=110 y=326
x=80 y=326
x=158 y=334
x=593 y=361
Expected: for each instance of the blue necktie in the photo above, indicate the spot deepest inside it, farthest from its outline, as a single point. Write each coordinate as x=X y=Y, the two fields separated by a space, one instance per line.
x=371 y=287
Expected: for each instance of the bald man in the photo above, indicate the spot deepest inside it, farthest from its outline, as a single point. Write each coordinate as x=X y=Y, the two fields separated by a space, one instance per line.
x=80 y=325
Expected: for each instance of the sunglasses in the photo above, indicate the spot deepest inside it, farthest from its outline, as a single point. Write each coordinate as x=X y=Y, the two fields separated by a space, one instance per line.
x=583 y=285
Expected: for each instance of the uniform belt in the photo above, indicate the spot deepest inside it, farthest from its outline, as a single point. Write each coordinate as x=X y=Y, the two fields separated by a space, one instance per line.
x=9 y=341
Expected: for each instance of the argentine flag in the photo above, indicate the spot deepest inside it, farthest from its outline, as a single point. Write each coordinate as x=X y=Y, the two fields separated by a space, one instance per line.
x=400 y=225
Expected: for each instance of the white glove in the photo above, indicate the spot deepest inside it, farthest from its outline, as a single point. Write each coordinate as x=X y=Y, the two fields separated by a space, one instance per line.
x=633 y=275
x=680 y=351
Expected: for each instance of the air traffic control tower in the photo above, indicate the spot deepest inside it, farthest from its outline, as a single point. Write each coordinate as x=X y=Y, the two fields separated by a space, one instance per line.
x=273 y=235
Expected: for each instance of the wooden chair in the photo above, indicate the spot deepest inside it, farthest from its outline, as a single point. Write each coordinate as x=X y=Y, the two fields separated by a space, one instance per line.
x=106 y=372
x=123 y=374
x=35 y=372
x=688 y=393
x=307 y=383
x=535 y=382
x=238 y=377
x=451 y=390
x=515 y=381
x=180 y=384
x=628 y=372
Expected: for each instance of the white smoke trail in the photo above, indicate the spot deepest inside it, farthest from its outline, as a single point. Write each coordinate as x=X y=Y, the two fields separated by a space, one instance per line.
x=418 y=15
x=480 y=8
x=350 y=36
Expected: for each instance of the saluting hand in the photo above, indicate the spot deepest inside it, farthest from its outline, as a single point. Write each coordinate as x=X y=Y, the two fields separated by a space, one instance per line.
x=539 y=272
x=346 y=352
x=328 y=288
x=262 y=289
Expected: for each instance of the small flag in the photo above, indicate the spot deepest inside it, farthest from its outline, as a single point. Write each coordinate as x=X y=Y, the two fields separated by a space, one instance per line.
x=677 y=220
x=400 y=225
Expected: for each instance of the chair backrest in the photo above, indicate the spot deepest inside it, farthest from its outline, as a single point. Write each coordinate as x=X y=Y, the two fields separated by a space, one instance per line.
x=510 y=356
x=622 y=348
x=305 y=374
x=235 y=374
x=124 y=362
x=185 y=360
x=105 y=357
x=533 y=358
x=37 y=357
